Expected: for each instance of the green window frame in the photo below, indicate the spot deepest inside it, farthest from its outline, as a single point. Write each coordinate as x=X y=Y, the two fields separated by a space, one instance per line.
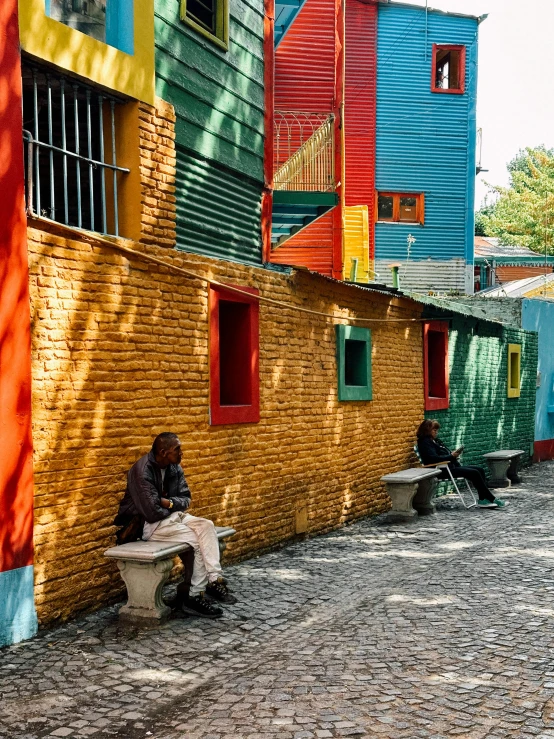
x=514 y=370
x=210 y=18
x=353 y=363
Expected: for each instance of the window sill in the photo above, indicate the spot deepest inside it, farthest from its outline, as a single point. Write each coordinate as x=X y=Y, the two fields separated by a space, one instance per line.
x=207 y=35
x=447 y=92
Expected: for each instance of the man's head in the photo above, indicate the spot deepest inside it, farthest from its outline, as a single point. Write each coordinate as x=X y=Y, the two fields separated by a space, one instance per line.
x=167 y=449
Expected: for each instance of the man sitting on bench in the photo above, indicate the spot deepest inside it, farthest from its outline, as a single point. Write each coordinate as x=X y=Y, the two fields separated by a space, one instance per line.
x=433 y=451
x=158 y=492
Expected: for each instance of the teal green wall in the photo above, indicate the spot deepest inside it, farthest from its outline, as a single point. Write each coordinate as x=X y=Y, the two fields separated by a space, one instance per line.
x=481 y=416
x=218 y=98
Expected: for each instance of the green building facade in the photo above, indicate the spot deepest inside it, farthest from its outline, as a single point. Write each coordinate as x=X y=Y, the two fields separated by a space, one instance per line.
x=217 y=89
x=492 y=378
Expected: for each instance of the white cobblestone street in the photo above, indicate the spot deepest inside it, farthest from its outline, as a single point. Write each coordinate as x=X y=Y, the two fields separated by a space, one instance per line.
x=435 y=629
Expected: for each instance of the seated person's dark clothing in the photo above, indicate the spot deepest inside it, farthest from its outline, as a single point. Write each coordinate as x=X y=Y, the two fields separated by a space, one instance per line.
x=433 y=451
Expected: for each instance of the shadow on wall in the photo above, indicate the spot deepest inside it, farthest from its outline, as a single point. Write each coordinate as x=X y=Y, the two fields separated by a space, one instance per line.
x=120 y=353
x=480 y=415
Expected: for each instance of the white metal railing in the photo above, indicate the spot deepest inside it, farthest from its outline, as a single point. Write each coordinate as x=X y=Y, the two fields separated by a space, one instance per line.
x=304 y=152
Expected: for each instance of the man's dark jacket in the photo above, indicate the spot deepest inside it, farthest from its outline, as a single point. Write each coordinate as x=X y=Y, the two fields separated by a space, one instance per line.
x=144 y=490
x=433 y=451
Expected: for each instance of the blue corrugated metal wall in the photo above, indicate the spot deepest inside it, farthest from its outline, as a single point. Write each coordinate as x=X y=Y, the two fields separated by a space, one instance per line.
x=425 y=140
x=219 y=103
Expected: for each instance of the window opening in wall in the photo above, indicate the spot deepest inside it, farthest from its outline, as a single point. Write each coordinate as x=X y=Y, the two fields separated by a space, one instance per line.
x=448 y=68
x=203 y=13
x=210 y=17
x=69 y=130
x=400 y=207
x=436 y=351
x=514 y=370
x=109 y=21
x=385 y=208
x=353 y=363
x=234 y=357
x=87 y=16
x=234 y=354
x=435 y=364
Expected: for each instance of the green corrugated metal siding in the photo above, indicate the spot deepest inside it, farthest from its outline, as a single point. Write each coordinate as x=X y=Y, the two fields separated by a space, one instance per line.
x=218 y=214
x=218 y=98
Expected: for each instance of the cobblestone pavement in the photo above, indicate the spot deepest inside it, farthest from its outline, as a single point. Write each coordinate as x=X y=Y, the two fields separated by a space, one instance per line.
x=435 y=629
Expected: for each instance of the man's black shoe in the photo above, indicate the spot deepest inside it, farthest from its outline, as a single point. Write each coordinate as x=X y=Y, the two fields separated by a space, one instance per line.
x=198 y=606
x=218 y=589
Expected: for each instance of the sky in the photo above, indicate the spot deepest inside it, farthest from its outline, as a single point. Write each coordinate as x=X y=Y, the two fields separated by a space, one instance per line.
x=515 y=97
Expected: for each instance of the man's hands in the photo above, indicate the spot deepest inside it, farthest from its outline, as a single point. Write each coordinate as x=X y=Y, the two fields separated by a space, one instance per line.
x=165 y=503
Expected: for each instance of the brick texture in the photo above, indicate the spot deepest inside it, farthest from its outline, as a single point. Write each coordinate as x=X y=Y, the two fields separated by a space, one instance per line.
x=481 y=416
x=120 y=353
x=157 y=173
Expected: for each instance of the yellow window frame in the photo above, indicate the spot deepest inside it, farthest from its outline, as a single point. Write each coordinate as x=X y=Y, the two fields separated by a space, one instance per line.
x=69 y=49
x=514 y=370
x=221 y=36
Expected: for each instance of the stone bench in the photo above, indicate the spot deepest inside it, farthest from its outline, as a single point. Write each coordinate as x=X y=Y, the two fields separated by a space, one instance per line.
x=411 y=492
x=503 y=467
x=145 y=567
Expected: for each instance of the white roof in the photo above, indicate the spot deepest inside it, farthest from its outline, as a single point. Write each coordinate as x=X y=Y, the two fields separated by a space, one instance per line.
x=520 y=288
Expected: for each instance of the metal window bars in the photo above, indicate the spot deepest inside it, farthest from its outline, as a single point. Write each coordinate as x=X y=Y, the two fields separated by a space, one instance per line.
x=304 y=156
x=68 y=128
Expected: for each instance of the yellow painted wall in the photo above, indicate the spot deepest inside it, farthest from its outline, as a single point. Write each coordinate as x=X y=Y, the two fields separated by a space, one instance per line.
x=71 y=50
x=356 y=243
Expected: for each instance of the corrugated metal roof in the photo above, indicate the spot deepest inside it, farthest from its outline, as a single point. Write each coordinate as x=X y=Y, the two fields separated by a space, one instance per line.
x=478 y=310
x=449 y=307
x=519 y=288
x=489 y=246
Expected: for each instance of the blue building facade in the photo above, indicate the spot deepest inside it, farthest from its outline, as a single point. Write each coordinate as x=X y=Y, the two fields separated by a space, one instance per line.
x=538 y=315
x=425 y=147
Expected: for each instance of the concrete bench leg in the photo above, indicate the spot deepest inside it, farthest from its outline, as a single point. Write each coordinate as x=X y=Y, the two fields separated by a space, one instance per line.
x=423 y=499
x=401 y=495
x=513 y=474
x=498 y=469
x=144 y=581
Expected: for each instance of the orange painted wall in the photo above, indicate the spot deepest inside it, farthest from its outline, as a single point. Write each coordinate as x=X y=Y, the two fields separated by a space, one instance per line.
x=507 y=274
x=16 y=472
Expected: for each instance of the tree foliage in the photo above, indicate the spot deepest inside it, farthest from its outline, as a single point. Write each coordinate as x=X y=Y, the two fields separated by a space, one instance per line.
x=523 y=213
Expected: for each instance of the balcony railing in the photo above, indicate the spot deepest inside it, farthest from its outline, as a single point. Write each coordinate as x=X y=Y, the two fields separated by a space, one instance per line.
x=304 y=152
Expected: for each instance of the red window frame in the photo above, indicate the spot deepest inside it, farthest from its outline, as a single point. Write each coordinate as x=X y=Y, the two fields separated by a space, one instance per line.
x=439 y=366
x=461 y=68
x=420 y=207
x=248 y=336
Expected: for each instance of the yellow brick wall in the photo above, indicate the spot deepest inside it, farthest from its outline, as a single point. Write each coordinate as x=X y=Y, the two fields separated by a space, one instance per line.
x=120 y=353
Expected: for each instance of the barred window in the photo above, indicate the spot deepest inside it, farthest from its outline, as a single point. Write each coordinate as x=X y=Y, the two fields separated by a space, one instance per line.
x=69 y=131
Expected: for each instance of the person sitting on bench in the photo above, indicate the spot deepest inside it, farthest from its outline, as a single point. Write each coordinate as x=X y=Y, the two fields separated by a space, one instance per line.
x=158 y=492
x=433 y=451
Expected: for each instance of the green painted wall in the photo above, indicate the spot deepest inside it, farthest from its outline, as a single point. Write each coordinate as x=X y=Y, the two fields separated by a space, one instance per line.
x=218 y=98
x=481 y=416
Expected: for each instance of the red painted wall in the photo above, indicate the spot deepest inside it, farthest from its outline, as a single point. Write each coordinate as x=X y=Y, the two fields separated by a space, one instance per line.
x=308 y=78
x=360 y=107
x=16 y=463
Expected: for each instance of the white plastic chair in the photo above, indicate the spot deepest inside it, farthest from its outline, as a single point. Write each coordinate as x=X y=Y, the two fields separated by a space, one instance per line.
x=452 y=480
